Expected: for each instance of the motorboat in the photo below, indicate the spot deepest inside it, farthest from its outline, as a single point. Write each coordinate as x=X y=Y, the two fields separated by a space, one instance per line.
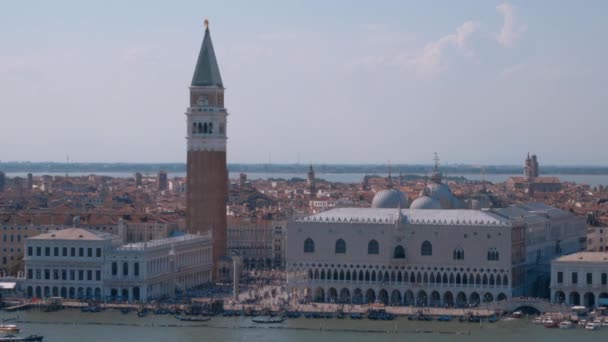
x=269 y=319
x=9 y=328
x=566 y=324
x=13 y=338
x=550 y=323
x=192 y=318
x=591 y=326
x=517 y=314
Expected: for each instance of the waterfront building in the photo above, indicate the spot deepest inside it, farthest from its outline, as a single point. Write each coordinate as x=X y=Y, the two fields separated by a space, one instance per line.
x=435 y=257
x=142 y=271
x=67 y=263
x=207 y=173
x=580 y=279
x=88 y=264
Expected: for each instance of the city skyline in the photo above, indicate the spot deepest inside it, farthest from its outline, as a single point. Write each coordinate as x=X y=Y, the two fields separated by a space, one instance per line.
x=78 y=86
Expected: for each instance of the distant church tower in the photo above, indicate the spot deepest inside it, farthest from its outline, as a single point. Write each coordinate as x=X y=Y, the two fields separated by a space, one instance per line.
x=207 y=174
x=310 y=181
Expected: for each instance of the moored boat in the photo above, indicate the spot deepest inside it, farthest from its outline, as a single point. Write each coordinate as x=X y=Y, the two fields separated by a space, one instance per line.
x=30 y=338
x=517 y=314
x=550 y=323
x=9 y=328
x=269 y=319
x=192 y=318
x=566 y=324
x=591 y=326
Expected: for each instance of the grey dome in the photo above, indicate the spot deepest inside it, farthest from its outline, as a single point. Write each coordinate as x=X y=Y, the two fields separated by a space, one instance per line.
x=390 y=198
x=442 y=193
x=425 y=202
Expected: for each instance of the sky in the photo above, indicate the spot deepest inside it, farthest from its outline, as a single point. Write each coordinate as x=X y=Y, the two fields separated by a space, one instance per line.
x=479 y=82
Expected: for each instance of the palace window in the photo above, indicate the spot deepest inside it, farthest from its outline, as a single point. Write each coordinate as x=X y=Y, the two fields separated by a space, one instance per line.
x=372 y=247
x=340 y=246
x=309 y=246
x=458 y=254
x=426 y=249
x=399 y=252
x=493 y=254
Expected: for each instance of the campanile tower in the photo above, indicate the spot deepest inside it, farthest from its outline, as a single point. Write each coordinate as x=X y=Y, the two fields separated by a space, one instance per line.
x=207 y=175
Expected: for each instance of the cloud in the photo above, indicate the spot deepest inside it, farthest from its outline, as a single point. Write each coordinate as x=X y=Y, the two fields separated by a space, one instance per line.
x=430 y=61
x=511 y=28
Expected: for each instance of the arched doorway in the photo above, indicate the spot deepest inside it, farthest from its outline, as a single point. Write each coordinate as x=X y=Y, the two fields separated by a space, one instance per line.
x=589 y=299
x=383 y=296
x=409 y=298
x=435 y=299
x=358 y=296
x=344 y=296
x=64 y=292
x=332 y=295
x=461 y=299
x=422 y=299
x=30 y=291
x=370 y=296
x=319 y=295
x=501 y=296
x=136 y=295
x=396 y=297
x=559 y=297
x=55 y=291
x=474 y=298
x=574 y=298
x=38 y=292
x=72 y=292
x=448 y=299
x=308 y=294
x=488 y=298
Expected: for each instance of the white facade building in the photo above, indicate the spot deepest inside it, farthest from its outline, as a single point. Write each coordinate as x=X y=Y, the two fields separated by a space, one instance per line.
x=580 y=279
x=433 y=257
x=80 y=263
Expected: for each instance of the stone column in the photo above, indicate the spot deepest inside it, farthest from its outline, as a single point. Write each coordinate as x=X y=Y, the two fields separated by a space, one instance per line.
x=236 y=276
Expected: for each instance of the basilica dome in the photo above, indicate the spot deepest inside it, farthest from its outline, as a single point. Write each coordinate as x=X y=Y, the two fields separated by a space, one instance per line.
x=389 y=198
x=442 y=193
x=425 y=202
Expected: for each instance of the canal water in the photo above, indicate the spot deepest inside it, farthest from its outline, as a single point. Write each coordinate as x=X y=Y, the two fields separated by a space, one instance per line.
x=111 y=325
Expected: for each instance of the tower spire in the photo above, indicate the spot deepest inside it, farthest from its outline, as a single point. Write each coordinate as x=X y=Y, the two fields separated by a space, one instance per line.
x=207 y=72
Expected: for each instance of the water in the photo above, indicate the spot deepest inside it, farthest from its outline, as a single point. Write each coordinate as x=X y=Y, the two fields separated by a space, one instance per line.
x=110 y=325
x=593 y=180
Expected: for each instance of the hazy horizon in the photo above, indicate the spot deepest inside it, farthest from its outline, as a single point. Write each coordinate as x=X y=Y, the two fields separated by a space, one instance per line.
x=345 y=82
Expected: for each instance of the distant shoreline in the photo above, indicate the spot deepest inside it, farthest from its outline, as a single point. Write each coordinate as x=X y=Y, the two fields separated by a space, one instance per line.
x=42 y=167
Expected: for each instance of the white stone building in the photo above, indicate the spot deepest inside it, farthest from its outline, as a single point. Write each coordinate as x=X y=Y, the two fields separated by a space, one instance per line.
x=425 y=257
x=80 y=263
x=67 y=263
x=580 y=279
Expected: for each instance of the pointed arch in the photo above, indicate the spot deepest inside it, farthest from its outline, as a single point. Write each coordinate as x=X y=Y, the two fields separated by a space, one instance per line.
x=340 y=246
x=309 y=246
x=426 y=249
x=373 y=247
x=399 y=252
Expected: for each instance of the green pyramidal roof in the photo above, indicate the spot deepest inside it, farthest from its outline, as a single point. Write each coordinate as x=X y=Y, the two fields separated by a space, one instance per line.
x=207 y=73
